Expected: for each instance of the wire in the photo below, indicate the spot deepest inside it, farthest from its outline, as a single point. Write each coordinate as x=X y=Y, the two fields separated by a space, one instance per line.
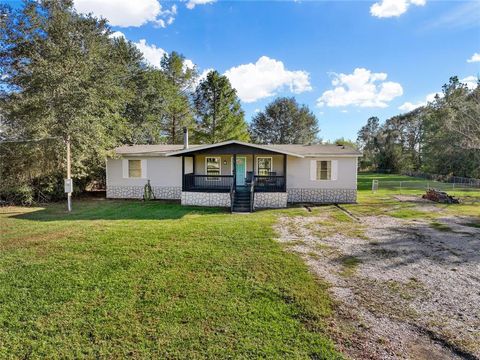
x=31 y=140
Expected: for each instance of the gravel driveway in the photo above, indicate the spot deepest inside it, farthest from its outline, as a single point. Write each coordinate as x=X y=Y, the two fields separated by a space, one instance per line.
x=403 y=288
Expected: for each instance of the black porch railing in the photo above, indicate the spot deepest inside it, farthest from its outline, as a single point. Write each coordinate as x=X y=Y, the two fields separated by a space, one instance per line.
x=213 y=183
x=270 y=183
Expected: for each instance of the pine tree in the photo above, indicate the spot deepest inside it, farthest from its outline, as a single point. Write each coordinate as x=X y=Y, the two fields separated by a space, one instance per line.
x=178 y=112
x=219 y=113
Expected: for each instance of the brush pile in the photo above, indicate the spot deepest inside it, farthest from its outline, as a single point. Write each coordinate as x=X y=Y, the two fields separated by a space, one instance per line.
x=440 y=197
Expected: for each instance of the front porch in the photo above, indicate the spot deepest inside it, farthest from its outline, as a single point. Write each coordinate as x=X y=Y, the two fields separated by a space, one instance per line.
x=224 y=173
x=234 y=175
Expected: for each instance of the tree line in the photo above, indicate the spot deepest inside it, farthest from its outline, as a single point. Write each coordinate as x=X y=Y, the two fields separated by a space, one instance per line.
x=63 y=75
x=442 y=137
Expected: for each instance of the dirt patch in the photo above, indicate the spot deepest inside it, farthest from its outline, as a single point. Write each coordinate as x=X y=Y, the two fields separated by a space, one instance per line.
x=404 y=288
x=412 y=198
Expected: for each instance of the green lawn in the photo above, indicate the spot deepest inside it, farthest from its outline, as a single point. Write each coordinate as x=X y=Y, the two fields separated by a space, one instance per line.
x=384 y=202
x=125 y=278
x=117 y=279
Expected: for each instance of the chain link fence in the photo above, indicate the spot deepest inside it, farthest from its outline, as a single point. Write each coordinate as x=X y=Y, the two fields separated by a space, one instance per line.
x=449 y=179
x=422 y=185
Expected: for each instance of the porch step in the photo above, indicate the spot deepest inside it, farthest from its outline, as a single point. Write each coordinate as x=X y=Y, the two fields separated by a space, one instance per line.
x=241 y=201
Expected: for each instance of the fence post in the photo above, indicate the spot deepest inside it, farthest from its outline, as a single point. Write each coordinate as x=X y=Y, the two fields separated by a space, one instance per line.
x=400 y=187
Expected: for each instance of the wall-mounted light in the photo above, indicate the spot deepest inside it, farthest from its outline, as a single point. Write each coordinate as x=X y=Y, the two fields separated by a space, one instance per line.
x=224 y=162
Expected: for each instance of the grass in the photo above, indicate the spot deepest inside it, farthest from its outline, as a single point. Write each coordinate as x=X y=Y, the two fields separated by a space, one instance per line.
x=117 y=279
x=383 y=201
x=350 y=264
x=440 y=227
x=121 y=279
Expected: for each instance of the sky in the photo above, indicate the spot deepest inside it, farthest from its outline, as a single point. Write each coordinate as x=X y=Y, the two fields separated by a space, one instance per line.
x=346 y=60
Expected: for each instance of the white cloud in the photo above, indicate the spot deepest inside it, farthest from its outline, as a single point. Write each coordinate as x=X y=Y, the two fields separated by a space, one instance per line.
x=361 y=88
x=470 y=81
x=475 y=58
x=203 y=74
x=265 y=78
x=192 y=3
x=117 y=34
x=391 y=8
x=465 y=15
x=128 y=13
x=408 y=106
x=188 y=64
x=152 y=54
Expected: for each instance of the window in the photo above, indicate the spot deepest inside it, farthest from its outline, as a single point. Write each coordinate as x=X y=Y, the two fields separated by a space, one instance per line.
x=324 y=170
x=264 y=166
x=213 y=166
x=135 y=168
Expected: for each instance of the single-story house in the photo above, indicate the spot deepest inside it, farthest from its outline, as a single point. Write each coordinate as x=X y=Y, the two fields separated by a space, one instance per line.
x=235 y=174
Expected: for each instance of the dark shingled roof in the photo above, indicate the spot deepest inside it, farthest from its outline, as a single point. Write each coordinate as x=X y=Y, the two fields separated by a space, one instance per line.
x=300 y=150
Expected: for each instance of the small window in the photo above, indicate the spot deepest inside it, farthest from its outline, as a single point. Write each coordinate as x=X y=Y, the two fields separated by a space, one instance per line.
x=135 y=168
x=264 y=166
x=324 y=170
x=213 y=166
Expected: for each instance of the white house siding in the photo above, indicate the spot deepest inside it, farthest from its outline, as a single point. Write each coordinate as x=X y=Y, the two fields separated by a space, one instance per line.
x=164 y=175
x=301 y=187
x=165 y=178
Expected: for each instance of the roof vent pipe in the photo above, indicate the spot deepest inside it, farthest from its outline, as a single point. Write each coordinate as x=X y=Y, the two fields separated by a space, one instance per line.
x=185 y=138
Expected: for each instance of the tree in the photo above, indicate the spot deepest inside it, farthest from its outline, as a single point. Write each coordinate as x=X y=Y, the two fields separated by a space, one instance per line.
x=219 y=114
x=179 y=71
x=368 y=144
x=463 y=117
x=451 y=135
x=345 y=142
x=64 y=77
x=178 y=112
x=442 y=137
x=284 y=121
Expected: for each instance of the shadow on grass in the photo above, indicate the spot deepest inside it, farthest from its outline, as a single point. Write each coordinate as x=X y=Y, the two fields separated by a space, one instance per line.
x=116 y=210
x=421 y=243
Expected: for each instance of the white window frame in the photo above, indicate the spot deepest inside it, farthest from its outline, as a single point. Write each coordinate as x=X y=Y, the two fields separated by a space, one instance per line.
x=126 y=168
x=264 y=157
x=206 y=170
x=331 y=170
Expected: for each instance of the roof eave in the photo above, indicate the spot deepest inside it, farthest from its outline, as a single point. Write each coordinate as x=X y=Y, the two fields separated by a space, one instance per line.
x=211 y=146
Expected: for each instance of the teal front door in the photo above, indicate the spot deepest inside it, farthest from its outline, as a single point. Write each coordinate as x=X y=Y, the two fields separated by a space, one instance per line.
x=241 y=171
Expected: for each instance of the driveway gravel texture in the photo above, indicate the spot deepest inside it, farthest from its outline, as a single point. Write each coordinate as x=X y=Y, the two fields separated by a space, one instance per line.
x=403 y=288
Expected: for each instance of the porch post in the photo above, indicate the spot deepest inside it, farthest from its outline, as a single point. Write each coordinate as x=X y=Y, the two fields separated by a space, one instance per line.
x=285 y=172
x=253 y=167
x=193 y=164
x=235 y=170
x=183 y=173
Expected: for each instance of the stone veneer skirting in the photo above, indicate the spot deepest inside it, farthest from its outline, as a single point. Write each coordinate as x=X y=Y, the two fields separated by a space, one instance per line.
x=136 y=192
x=270 y=200
x=322 y=196
x=262 y=200
x=205 y=199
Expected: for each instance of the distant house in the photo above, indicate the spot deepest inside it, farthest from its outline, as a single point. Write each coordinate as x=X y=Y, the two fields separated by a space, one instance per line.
x=235 y=174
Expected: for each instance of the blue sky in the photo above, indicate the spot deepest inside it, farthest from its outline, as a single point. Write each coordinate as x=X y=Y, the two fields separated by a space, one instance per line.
x=347 y=60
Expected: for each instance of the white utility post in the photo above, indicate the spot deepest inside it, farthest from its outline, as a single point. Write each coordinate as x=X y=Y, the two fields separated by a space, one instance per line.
x=68 y=180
